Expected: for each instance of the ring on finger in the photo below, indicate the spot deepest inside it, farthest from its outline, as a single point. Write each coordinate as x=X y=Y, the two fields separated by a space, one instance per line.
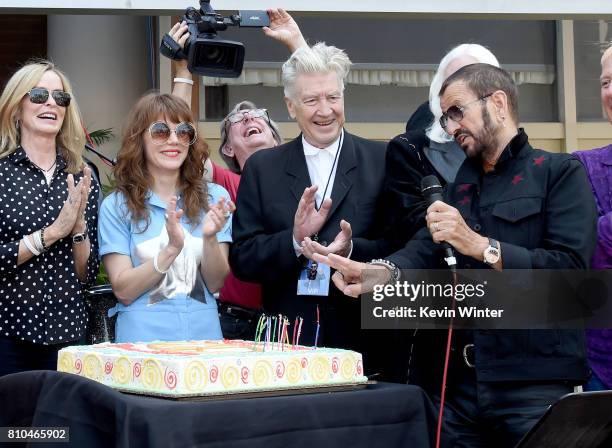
x=435 y=226
x=226 y=214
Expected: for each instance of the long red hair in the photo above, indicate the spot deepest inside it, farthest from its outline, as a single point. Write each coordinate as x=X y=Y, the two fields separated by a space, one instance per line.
x=131 y=173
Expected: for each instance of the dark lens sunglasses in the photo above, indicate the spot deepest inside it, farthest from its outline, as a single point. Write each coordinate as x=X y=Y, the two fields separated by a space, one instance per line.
x=455 y=113
x=40 y=95
x=185 y=133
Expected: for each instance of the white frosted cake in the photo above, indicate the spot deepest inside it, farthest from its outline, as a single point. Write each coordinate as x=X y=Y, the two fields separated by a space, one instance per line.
x=186 y=368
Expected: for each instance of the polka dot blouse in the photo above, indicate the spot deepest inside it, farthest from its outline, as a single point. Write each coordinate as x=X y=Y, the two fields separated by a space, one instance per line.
x=41 y=300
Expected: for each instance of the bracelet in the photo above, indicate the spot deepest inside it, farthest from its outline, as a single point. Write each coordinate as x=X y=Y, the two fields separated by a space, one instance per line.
x=392 y=267
x=36 y=241
x=30 y=246
x=156 y=267
x=42 y=240
x=184 y=80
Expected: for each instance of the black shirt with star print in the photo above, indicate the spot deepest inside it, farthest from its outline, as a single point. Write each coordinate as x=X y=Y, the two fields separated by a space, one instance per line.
x=541 y=209
x=41 y=300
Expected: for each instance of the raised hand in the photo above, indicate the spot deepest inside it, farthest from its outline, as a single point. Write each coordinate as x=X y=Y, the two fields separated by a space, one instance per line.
x=180 y=35
x=308 y=220
x=176 y=234
x=67 y=218
x=340 y=246
x=284 y=29
x=80 y=223
x=217 y=217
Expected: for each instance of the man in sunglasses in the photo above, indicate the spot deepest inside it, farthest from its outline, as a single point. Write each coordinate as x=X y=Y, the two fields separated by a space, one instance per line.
x=510 y=207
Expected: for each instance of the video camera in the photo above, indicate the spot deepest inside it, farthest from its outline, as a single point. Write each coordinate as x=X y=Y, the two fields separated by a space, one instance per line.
x=206 y=53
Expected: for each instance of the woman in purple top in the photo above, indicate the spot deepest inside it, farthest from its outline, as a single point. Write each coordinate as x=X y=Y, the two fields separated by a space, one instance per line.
x=598 y=163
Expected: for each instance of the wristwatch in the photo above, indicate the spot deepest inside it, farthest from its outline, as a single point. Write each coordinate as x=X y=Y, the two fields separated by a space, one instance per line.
x=78 y=238
x=492 y=253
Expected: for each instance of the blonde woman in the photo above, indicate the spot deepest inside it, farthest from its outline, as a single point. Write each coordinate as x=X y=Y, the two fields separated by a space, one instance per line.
x=48 y=219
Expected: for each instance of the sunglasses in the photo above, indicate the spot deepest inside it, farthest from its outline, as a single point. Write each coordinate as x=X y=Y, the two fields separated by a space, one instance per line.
x=40 y=95
x=237 y=117
x=185 y=133
x=455 y=113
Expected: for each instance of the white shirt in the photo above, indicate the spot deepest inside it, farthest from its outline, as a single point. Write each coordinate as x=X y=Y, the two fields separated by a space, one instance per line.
x=320 y=162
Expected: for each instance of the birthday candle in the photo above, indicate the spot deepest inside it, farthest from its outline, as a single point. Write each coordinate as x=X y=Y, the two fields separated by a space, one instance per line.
x=299 y=331
x=318 y=327
x=295 y=327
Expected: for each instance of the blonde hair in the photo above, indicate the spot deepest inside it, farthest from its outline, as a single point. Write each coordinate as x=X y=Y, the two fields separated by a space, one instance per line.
x=71 y=137
x=320 y=58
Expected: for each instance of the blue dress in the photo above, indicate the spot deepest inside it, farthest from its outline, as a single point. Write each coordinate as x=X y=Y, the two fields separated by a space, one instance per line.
x=179 y=307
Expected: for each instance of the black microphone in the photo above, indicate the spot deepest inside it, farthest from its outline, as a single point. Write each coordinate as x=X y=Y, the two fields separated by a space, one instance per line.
x=432 y=192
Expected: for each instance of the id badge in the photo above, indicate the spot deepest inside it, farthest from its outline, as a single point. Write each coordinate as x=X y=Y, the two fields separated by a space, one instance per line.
x=314 y=280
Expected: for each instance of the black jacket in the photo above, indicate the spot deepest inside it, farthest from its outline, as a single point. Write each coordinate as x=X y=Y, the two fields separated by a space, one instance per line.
x=540 y=207
x=271 y=186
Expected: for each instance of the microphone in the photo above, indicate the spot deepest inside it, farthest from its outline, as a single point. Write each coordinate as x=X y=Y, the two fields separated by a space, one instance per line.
x=432 y=192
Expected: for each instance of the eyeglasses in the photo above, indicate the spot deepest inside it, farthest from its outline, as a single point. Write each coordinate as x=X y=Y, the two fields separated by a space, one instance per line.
x=39 y=95
x=237 y=117
x=185 y=133
x=455 y=113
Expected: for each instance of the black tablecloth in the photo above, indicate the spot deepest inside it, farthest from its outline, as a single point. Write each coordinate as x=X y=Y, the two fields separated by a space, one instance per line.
x=385 y=415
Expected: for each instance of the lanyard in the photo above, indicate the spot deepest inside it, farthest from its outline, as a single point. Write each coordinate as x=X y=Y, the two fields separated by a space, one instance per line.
x=331 y=171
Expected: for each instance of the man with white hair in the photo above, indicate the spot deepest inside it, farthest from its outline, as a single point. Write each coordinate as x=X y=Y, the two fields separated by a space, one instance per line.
x=300 y=197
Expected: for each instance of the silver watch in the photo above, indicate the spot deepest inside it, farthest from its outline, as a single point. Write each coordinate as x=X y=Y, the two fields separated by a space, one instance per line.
x=78 y=238
x=492 y=253
x=392 y=267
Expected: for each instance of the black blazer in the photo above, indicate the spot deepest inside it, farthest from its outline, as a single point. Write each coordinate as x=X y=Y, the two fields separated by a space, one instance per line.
x=271 y=186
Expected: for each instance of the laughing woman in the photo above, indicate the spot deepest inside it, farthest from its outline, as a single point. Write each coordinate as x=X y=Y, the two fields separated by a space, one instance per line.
x=48 y=224
x=164 y=233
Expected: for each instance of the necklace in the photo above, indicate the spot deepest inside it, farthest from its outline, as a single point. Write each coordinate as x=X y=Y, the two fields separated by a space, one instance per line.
x=45 y=170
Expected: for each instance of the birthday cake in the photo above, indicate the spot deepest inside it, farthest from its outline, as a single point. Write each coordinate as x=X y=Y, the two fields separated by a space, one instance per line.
x=188 y=368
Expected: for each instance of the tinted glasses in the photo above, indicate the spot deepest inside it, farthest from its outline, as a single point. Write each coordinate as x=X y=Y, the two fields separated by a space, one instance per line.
x=455 y=113
x=237 y=117
x=185 y=133
x=39 y=95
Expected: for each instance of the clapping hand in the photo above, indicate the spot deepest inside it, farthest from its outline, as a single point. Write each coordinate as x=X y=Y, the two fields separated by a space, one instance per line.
x=71 y=217
x=308 y=220
x=216 y=217
x=340 y=246
x=176 y=234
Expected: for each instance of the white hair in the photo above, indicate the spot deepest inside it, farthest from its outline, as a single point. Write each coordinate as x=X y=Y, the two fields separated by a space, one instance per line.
x=320 y=58
x=606 y=54
x=480 y=54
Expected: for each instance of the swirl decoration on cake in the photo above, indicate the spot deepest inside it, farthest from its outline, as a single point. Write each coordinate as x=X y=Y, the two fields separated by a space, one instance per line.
x=65 y=362
x=122 y=370
x=359 y=368
x=347 y=367
x=294 y=370
x=214 y=374
x=335 y=364
x=230 y=376
x=92 y=367
x=319 y=369
x=304 y=363
x=137 y=370
x=262 y=373
x=151 y=374
x=244 y=375
x=196 y=376
x=280 y=369
x=78 y=366
x=108 y=367
x=170 y=379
